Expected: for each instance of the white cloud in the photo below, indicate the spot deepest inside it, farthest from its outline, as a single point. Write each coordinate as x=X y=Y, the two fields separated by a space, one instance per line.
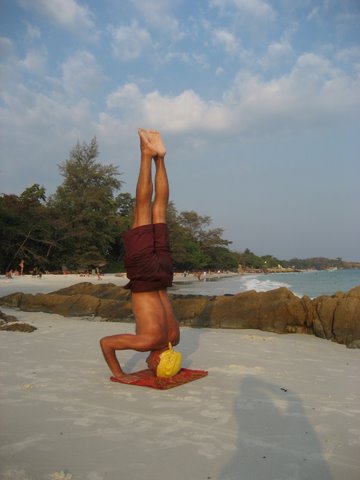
x=351 y=54
x=183 y=112
x=35 y=61
x=7 y=48
x=276 y=53
x=314 y=13
x=157 y=13
x=258 y=9
x=9 y=66
x=130 y=41
x=68 y=14
x=38 y=131
x=189 y=58
x=81 y=74
x=313 y=93
x=227 y=40
x=172 y=114
x=32 y=32
x=28 y=111
x=124 y=97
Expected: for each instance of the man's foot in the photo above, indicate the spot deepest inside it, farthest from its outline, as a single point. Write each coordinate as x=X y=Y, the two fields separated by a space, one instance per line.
x=157 y=143
x=151 y=143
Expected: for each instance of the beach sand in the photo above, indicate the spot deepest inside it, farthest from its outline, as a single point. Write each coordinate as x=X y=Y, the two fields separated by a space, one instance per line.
x=273 y=407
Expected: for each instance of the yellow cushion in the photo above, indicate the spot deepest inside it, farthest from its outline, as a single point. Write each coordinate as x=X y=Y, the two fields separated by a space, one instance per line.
x=170 y=363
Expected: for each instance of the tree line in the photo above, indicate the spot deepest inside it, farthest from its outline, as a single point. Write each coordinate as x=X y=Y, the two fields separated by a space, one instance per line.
x=80 y=226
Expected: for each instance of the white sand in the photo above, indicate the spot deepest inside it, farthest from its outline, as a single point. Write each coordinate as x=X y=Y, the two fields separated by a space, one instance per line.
x=274 y=407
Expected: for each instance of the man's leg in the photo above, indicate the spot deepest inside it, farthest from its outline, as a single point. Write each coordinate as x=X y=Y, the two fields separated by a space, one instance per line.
x=144 y=187
x=172 y=324
x=159 y=216
x=161 y=199
x=126 y=341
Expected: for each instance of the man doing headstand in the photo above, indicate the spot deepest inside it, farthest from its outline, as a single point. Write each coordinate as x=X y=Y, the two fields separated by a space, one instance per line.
x=148 y=264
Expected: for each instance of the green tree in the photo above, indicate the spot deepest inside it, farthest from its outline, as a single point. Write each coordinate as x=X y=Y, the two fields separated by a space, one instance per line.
x=249 y=260
x=194 y=245
x=25 y=229
x=222 y=258
x=85 y=206
x=124 y=218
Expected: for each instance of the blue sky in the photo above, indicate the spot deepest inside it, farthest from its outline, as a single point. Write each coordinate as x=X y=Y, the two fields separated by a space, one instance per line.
x=258 y=103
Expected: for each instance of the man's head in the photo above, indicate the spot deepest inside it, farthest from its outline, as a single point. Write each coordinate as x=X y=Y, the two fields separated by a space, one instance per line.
x=164 y=363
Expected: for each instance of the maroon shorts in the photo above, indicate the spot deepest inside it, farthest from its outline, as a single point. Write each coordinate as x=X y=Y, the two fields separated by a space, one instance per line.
x=147 y=258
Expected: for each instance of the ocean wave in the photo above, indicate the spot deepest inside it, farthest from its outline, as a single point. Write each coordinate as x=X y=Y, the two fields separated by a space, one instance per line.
x=313 y=284
x=263 y=285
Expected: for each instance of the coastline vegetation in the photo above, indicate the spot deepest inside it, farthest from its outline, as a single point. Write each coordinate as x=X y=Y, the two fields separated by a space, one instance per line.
x=80 y=226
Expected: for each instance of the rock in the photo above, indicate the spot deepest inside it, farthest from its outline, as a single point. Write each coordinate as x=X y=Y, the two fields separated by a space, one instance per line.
x=78 y=300
x=239 y=311
x=104 y=290
x=18 y=327
x=277 y=311
x=10 y=323
x=324 y=320
x=4 y=318
x=12 y=300
x=191 y=310
x=115 y=310
x=335 y=317
x=338 y=317
x=346 y=328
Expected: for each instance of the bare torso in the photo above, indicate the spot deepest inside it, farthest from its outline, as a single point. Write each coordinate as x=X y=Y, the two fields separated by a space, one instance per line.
x=155 y=318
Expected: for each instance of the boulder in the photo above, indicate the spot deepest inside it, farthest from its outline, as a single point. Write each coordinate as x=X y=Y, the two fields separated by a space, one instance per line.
x=325 y=307
x=103 y=290
x=346 y=327
x=192 y=310
x=335 y=317
x=114 y=310
x=4 y=318
x=18 y=327
x=71 y=303
x=277 y=311
x=10 y=323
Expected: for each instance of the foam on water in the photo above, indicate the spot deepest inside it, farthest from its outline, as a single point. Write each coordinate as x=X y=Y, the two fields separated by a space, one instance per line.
x=263 y=285
x=311 y=283
x=229 y=285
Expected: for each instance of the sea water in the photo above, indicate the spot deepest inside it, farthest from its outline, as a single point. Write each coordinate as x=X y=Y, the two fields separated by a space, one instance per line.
x=312 y=283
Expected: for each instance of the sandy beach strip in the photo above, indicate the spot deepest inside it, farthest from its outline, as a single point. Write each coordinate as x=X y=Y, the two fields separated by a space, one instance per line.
x=272 y=407
x=51 y=282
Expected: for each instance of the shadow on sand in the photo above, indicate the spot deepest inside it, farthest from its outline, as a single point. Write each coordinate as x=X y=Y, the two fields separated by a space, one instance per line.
x=275 y=439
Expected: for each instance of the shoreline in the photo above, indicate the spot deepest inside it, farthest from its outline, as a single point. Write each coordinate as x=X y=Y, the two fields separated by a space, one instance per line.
x=209 y=285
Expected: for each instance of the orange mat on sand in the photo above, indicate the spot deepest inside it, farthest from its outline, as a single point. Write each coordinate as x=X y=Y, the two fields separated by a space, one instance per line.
x=146 y=378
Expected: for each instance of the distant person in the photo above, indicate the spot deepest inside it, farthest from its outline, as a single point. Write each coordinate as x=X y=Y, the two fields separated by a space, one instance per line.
x=149 y=266
x=21 y=265
x=98 y=273
x=37 y=272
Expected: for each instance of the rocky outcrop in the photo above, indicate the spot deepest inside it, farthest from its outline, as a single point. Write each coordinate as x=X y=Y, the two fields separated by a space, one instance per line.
x=85 y=299
x=10 y=323
x=338 y=317
x=335 y=317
